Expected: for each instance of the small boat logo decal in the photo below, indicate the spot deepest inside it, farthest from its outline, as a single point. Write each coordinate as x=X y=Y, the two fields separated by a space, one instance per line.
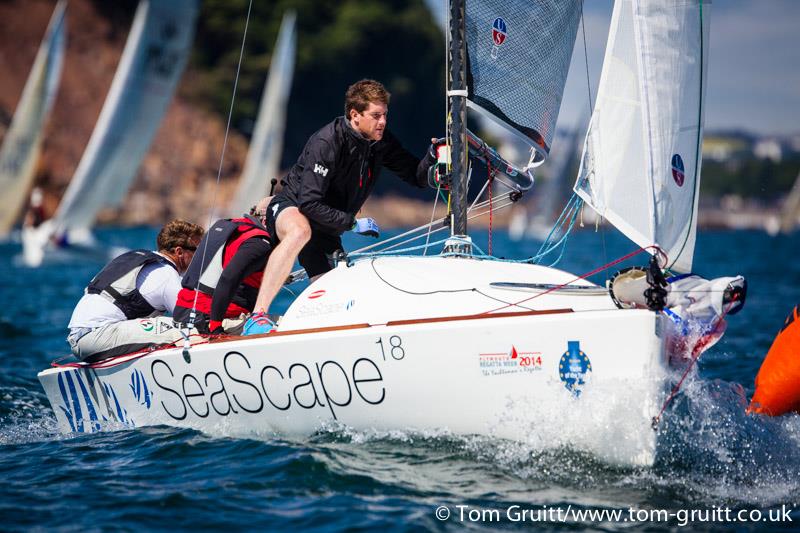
x=316 y=294
x=678 y=169
x=574 y=367
x=511 y=362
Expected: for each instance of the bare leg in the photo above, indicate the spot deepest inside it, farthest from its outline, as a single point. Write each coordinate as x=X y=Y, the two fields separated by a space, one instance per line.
x=294 y=232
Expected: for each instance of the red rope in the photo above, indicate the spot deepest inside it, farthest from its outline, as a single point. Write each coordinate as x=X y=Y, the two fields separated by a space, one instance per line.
x=582 y=276
x=490 y=178
x=491 y=211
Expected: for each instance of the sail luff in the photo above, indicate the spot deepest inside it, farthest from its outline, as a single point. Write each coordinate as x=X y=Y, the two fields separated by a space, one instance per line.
x=150 y=66
x=22 y=144
x=266 y=147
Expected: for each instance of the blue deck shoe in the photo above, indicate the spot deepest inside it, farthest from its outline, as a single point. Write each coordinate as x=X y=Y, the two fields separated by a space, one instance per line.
x=258 y=324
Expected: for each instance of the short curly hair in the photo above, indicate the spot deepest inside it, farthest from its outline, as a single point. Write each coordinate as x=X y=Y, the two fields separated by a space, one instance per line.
x=179 y=233
x=361 y=93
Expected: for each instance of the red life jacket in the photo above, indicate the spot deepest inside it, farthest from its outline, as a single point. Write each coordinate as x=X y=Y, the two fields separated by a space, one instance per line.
x=222 y=241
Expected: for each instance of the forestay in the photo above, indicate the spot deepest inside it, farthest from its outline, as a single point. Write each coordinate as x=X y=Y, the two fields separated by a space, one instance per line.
x=641 y=163
x=518 y=55
x=264 y=157
x=151 y=64
x=22 y=143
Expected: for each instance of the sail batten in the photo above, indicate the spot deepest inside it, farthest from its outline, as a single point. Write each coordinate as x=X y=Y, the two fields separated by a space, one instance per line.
x=150 y=66
x=642 y=156
x=22 y=143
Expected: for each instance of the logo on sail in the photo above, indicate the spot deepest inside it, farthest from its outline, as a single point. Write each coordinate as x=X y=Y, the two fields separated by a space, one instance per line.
x=677 y=169
x=499 y=31
x=499 y=34
x=574 y=367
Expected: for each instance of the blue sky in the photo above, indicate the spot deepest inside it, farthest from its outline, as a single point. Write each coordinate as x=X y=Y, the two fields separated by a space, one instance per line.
x=753 y=72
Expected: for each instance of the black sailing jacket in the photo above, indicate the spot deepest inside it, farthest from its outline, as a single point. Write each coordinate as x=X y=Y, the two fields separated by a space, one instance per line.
x=337 y=170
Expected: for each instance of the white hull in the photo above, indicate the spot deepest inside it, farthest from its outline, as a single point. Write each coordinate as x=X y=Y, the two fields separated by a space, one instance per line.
x=496 y=374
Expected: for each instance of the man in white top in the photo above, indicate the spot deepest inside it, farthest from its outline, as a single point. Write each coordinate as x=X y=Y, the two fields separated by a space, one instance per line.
x=121 y=310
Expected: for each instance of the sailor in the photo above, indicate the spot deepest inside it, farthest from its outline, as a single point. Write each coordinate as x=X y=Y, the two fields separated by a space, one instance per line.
x=121 y=309
x=34 y=216
x=222 y=281
x=325 y=189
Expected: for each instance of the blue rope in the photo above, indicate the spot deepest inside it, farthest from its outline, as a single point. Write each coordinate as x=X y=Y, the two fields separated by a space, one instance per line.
x=567 y=217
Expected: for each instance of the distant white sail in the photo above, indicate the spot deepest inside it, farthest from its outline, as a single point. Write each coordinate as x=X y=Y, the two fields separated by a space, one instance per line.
x=790 y=214
x=23 y=140
x=151 y=64
x=264 y=157
x=641 y=163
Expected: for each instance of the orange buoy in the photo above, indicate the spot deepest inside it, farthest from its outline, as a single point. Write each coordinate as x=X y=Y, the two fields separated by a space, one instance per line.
x=778 y=379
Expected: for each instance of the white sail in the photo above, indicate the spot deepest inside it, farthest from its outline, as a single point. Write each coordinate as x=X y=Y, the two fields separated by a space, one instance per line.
x=790 y=214
x=151 y=64
x=264 y=157
x=22 y=143
x=641 y=163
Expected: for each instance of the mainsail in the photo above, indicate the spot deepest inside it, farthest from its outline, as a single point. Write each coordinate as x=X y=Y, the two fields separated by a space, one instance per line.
x=264 y=157
x=641 y=163
x=22 y=143
x=151 y=64
x=518 y=55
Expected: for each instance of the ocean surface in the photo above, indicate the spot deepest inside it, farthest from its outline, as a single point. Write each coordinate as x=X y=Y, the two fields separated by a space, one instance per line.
x=713 y=460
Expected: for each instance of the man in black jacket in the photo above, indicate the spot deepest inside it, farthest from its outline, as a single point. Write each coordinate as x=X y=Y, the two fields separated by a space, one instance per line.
x=326 y=188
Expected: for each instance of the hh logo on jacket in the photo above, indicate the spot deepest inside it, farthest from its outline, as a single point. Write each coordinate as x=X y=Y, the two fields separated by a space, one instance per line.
x=319 y=169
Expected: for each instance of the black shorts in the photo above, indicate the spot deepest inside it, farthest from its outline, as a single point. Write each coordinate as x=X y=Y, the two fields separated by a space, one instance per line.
x=316 y=257
x=275 y=207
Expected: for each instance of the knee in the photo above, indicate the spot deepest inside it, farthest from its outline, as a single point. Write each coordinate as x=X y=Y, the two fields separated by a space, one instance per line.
x=298 y=232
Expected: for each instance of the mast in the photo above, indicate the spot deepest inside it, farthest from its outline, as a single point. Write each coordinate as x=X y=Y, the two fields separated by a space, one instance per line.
x=457 y=96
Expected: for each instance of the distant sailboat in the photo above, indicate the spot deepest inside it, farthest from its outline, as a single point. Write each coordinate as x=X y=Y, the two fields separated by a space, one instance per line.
x=264 y=157
x=790 y=214
x=534 y=220
x=150 y=67
x=22 y=144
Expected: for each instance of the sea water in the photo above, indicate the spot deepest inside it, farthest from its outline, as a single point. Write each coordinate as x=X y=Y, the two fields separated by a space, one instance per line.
x=714 y=465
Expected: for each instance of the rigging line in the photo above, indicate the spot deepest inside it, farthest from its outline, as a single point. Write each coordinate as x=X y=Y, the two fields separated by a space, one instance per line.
x=192 y=315
x=445 y=291
x=433 y=214
x=586 y=61
x=582 y=276
x=697 y=351
x=297 y=275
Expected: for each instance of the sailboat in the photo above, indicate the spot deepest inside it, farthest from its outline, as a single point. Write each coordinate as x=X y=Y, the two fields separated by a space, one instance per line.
x=150 y=66
x=459 y=343
x=790 y=213
x=535 y=220
x=22 y=143
x=264 y=157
